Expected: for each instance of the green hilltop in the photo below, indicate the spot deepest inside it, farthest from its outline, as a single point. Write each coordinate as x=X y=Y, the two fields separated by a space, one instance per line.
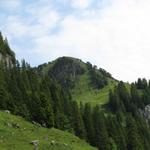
x=87 y=83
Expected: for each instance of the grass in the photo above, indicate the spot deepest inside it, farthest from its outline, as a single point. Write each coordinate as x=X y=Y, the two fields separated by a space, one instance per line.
x=19 y=138
x=86 y=94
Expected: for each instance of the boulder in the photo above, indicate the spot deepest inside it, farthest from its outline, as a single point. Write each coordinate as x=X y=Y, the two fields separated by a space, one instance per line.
x=9 y=124
x=35 y=143
x=7 y=111
x=65 y=144
x=53 y=142
x=145 y=113
x=35 y=123
x=15 y=125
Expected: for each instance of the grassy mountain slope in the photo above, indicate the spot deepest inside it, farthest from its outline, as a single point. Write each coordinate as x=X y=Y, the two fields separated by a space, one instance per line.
x=76 y=72
x=16 y=134
x=86 y=94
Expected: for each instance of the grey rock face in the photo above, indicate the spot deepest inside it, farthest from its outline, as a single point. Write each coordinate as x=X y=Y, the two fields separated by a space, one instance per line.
x=35 y=143
x=146 y=113
x=6 y=59
x=1 y=56
x=7 y=111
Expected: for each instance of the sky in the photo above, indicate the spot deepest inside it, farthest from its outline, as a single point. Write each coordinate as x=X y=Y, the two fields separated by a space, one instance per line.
x=112 y=34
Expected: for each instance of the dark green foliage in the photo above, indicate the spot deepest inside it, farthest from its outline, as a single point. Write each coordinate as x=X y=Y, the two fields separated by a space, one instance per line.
x=39 y=99
x=66 y=70
x=129 y=130
x=101 y=139
x=36 y=98
x=136 y=99
x=116 y=132
x=43 y=100
x=134 y=140
x=115 y=103
x=5 y=49
x=98 y=77
x=124 y=95
x=105 y=73
x=88 y=121
x=141 y=83
x=78 y=121
x=17 y=94
x=146 y=96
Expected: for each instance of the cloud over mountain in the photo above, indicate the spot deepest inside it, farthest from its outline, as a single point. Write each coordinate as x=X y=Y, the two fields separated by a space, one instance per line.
x=113 y=34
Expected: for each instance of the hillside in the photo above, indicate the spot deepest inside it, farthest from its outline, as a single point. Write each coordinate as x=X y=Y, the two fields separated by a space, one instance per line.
x=17 y=134
x=85 y=82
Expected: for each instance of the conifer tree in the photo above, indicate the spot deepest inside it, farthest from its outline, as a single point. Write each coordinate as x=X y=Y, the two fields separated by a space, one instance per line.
x=78 y=121
x=135 y=96
x=87 y=117
x=101 y=139
x=134 y=140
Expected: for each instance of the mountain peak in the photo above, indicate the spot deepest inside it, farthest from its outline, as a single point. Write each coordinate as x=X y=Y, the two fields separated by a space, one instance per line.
x=74 y=74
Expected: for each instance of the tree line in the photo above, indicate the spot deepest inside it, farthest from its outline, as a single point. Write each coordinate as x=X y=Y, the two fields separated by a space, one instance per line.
x=43 y=100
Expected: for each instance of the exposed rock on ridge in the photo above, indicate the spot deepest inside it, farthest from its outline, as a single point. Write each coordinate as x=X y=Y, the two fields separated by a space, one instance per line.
x=146 y=113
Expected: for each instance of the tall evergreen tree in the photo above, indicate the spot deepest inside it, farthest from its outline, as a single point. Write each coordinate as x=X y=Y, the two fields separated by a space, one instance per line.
x=134 y=140
x=101 y=139
x=87 y=117
x=78 y=121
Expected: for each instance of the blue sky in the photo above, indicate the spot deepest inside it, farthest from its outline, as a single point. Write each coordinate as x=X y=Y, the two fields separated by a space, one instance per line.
x=113 y=34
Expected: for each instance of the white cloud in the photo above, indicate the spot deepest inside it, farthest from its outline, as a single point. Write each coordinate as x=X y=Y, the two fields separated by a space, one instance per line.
x=49 y=19
x=42 y=19
x=115 y=37
x=81 y=4
x=10 y=4
x=14 y=26
x=39 y=22
x=35 y=22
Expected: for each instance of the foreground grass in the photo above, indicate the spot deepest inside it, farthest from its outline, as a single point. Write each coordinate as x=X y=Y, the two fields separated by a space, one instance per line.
x=17 y=134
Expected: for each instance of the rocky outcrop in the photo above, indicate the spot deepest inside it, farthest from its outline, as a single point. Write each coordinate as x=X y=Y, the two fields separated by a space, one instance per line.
x=7 y=59
x=7 y=56
x=1 y=56
x=35 y=143
x=146 y=113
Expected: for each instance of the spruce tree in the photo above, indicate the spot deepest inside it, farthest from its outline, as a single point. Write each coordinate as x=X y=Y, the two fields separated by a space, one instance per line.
x=134 y=140
x=101 y=138
x=87 y=117
x=78 y=121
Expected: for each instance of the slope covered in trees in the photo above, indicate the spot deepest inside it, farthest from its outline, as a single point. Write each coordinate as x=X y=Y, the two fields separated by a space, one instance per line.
x=47 y=95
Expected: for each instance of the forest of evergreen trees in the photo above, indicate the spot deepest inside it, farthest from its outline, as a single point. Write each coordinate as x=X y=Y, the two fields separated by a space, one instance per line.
x=116 y=126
